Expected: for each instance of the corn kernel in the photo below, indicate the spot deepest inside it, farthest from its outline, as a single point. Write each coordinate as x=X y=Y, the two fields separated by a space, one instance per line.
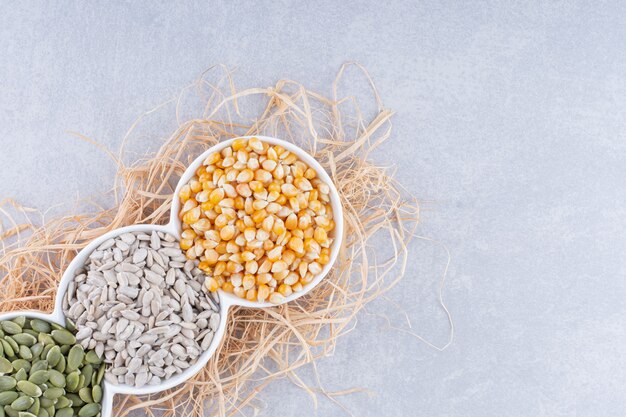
x=263 y=292
x=240 y=292
x=296 y=244
x=239 y=143
x=211 y=284
x=185 y=193
x=285 y=290
x=192 y=215
x=251 y=295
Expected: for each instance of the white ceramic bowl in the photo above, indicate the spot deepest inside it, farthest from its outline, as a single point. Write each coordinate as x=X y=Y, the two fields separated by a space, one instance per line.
x=226 y=300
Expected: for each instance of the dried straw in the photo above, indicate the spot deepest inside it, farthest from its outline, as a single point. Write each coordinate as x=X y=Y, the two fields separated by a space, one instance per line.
x=260 y=345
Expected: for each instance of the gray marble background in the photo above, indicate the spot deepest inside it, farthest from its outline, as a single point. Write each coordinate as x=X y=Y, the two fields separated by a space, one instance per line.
x=510 y=127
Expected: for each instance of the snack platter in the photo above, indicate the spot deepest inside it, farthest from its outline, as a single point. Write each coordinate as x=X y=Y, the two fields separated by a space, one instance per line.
x=166 y=292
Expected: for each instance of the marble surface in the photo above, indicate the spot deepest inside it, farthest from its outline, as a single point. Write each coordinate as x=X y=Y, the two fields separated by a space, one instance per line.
x=510 y=127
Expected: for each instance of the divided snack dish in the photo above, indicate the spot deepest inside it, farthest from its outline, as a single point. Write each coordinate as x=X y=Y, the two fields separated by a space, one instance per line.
x=227 y=300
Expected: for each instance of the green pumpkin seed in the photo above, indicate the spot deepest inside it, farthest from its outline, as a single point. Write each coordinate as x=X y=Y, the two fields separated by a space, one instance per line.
x=12 y=342
x=54 y=356
x=63 y=337
x=65 y=349
x=51 y=411
x=2 y=413
x=20 y=321
x=39 y=366
x=10 y=411
x=92 y=357
x=37 y=348
x=7 y=383
x=8 y=350
x=75 y=357
x=85 y=395
x=72 y=381
x=10 y=327
x=21 y=375
x=56 y=378
x=42 y=413
x=39 y=377
x=69 y=325
x=76 y=400
x=45 y=339
x=25 y=339
x=81 y=381
x=7 y=397
x=96 y=394
x=64 y=412
x=46 y=402
x=89 y=410
x=25 y=353
x=22 y=403
x=35 y=407
x=61 y=365
x=29 y=388
x=5 y=366
x=40 y=326
x=53 y=393
x=99 y=376
x=21 y=364
x=63 y=402
x=26 y=414
x=87 y=371
x=1 y=352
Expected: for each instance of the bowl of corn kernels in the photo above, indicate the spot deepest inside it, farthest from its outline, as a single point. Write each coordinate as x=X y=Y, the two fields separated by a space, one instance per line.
x=261 y=217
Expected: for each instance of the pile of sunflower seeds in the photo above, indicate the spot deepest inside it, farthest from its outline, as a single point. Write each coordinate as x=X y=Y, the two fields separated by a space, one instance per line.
x=139 y=303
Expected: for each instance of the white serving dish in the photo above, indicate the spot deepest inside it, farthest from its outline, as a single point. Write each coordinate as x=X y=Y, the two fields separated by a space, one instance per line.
x=226 y=300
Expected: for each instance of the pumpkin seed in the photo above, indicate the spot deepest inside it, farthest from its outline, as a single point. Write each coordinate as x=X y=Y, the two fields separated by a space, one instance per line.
x=21 y=363
x=29 y=388
x=26 y=414
x=22 y=403
x=7 y=397
x=76 y=400
x=72 y=381
x=25 y=339
x=61 y=365
x=53 y=393
x=34 y=409
x=85 y=395
x=89 y=410
x=8 y=350
x=54 y=356
x=56 y=378
x=12 y=343
x=10 y=327
x=38 y=366
x=37 y=348
x=63 y=337
x=63 y=402
x=7 y=383
x=96 y=393
x=45 y=402
x=10 y=411
x=5 y=366
x=21 y=375
x=64 y=412
x=39 y=377
x=25 y=353
x=40 y=326
x=42 y=413
x=20 y=321
x=92 y=357
x=75 y=357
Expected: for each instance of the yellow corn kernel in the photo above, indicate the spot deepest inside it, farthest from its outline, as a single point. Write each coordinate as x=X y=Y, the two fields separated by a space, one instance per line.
x=251 y=294
x=207 y=184
x=240 y=225
x=296 y=244
x=265 y=267
x=309 y=174
x=221 y=221
x=303 y=268
x=208 y=243
x=324 y=258
x=273 y=196
x=294 y=204
x=256 y=145
x=277 y=298
x=279 y=172
x=228 y=232
x=285 y=290
x=259 y=215
x=262 y=176
x=188 y=234
x=304 y=222
x=248 y=281
x=232 y=247
x=185 y=193
x=231 y=267
x=313 y=195
x=239 y=144
x=268 y=245
x=273 y=153
x=249 y=233
x=211 y=284
x=227 y=203
x=216 y=195
x=281 y=199
x=195 y=186
x=243 y=190
x=263 y=278
x=211 y=256
x=207 y=206
x=221 y=248
x=289 y=257
x=279 y=276
x=291 y=278
x=310 y=245
x=192 y=215
x=315 y=268
x=263 y=292
x=202 y=225
x=273 y=208
x=252 y=267
x=247 y=256
x=228 y=287
x=309 y=232
x=303 y=202
x=256 y=186
x=242 y=156
x=268 y=223
x=201 y=170
x=289 y=190
x=320 y=235
x=259 y=204
x=291 y=222
x=269 y=165
x=240 y=292
x=279 y=266
x=204 y=265
x=227 y=162
x=315 y=205
x=297 y=287
x=239 y=203
x=274 y=254
x=212 y=159
x=245 y=176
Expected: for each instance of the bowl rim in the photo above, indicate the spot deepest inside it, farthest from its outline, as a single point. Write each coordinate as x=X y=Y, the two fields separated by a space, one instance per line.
x=335 y=202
